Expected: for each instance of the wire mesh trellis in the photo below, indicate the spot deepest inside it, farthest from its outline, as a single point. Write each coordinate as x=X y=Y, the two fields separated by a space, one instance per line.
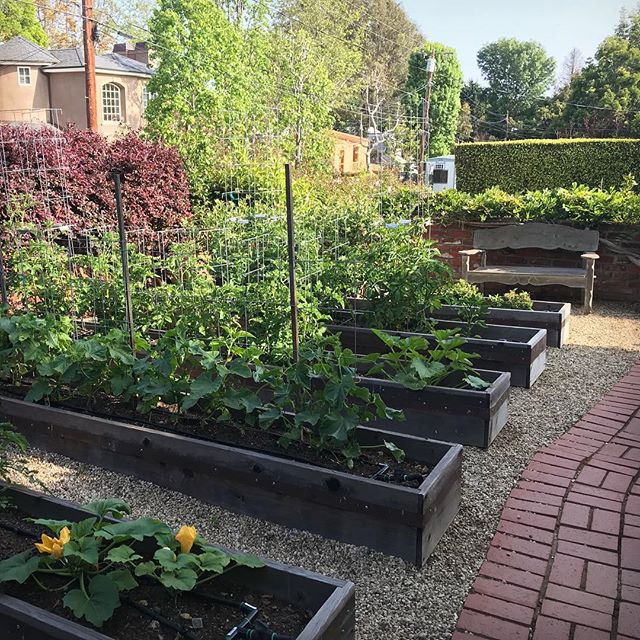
x=227 y=271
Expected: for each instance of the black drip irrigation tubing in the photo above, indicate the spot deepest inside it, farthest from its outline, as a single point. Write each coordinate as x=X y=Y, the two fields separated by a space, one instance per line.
x=150 y=613
x=243 y=630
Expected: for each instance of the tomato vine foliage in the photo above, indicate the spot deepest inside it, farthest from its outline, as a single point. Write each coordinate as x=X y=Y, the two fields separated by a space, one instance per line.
x=155 y=190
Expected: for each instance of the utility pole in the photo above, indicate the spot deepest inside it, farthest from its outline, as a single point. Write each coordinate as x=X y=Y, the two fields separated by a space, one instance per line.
x=88 y=31
x=425 y=137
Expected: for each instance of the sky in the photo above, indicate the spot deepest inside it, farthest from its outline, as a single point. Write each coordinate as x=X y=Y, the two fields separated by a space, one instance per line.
x=559 y=25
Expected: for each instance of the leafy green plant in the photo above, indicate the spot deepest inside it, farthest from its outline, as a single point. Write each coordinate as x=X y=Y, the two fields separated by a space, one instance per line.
x=97 y=560
x=317 y=400
x=320 y=401
x=513 y=299
x=415 y=364
x=12 y=442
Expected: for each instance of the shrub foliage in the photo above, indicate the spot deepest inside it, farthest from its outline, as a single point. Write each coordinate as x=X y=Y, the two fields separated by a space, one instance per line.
x=545 y=164
x=66 y=179
x=578 y=204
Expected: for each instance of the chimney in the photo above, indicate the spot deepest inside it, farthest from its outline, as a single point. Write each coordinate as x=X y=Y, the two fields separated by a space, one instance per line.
x=140 y=52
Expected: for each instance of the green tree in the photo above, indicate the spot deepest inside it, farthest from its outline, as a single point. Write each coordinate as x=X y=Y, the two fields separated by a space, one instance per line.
x=465 y=124
x=208 y=81
x=445 y=95
x=604 y=99
x=389 y=37
x=518 y=74
x=317 y=59
x=485 y=124
x=18 y=18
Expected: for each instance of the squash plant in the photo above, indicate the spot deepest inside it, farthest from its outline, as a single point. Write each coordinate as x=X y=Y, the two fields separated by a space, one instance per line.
x=93 y=562
x=415 y=364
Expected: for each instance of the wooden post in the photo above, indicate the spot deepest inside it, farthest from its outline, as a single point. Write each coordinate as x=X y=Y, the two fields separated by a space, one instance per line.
x=125 y=261
x=88 y=28
x=291 y=247
x=4 y=298
x=589 y=281
x=465 y=266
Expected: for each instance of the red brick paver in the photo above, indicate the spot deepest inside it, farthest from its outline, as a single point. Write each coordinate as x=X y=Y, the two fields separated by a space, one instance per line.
x=564 y=563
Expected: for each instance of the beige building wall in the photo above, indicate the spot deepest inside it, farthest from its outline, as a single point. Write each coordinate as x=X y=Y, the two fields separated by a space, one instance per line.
x=350 y=154
x=68 y=94
x=15 y=98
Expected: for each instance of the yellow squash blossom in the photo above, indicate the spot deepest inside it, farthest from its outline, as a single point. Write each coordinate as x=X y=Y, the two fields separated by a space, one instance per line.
x=54 y=546
x=186 y=537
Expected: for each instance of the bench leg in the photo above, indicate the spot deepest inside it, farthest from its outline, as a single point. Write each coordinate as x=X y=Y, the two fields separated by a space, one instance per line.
x=465 y=267
x=588 y=289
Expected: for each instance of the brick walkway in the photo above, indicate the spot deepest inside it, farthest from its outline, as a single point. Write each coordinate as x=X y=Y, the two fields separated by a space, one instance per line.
x=564 y=563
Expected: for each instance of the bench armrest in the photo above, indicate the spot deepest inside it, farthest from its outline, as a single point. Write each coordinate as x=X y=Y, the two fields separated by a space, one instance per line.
x=471 y=252
x=590 y=256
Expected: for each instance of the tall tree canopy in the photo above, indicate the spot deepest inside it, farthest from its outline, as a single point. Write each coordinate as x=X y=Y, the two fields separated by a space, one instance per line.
x=62 y=23
x=445 y=95
x=18 y=18
x=604 y=99
x=518 y=73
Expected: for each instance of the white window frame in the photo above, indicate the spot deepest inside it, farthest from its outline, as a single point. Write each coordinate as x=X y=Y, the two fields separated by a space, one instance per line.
x=112 y=102
x=22 y=78
x=146 y=96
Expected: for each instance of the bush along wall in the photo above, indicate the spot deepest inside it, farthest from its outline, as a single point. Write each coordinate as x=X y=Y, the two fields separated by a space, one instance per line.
x=518 y=166
x=578 y=204
x=65 y=178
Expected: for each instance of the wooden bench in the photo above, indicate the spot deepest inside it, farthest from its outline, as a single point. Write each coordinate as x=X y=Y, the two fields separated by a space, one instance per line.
x=539 y=236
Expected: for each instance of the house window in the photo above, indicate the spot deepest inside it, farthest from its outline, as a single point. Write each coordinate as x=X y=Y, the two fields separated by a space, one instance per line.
x=356 y=154
x=24 y=75
x=111 y=103
x=146 y=96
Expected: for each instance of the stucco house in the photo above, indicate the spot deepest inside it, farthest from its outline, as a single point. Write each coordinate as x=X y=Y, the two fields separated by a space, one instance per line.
x=35 y=80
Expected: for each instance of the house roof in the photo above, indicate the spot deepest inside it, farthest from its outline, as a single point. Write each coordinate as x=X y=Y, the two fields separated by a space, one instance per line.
x=74 y=58
x=19 y=49
x=348 y=137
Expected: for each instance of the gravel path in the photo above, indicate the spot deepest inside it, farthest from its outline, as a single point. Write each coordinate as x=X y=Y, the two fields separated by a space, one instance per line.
x=395 y=600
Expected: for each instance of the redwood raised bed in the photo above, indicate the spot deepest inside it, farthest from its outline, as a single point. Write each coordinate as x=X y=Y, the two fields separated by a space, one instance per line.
x=447 y=413
x=332 y=602
x=516 y=350
x=552 y=316
x=392 y=518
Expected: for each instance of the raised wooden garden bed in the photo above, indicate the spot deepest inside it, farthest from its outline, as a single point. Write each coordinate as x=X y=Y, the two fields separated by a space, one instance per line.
x=448 y=413
x=552 y=316
x=331 y=602
x=395 y=519
x=519 y=351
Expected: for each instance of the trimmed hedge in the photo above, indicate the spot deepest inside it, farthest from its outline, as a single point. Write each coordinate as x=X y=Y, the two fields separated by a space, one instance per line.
x=528 y=165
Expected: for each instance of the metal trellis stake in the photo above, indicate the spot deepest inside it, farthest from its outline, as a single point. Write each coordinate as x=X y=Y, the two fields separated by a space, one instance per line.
x=4 y=298
x=291 y=250
x=117 y=181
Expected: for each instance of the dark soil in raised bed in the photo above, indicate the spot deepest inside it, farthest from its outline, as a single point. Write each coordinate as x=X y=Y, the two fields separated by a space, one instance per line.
x=131 y=621
x=407 y=473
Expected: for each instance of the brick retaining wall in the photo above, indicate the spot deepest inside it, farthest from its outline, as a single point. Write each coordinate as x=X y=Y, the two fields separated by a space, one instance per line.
x=617 y=278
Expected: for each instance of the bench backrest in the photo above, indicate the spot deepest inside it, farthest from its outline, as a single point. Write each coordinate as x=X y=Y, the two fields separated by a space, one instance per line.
x=536 y=235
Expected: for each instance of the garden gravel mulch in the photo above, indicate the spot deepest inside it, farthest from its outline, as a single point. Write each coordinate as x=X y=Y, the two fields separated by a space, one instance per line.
x=396 y=600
